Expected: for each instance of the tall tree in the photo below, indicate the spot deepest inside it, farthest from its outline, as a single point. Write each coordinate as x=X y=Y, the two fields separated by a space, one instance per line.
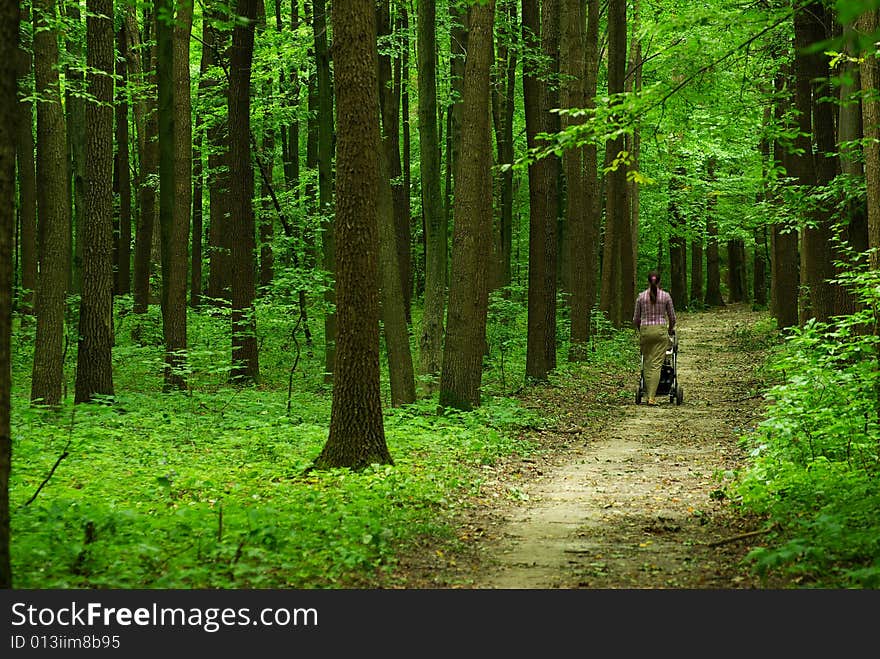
x=391 y=266
x=147 y=123
x=357 y=434
x=9 y=38
x=784 y=276
x=245 y=357
x=94 y=365
x=75 y=107
x=431 y=335
x=618 y=283
x=713 y=268
x=870 y=80
x=541 y=334
x=468 y=286
x=53 y=210
x=584 y=232
x=122 y=174
x=325 y=176
x=27 y=180
x=677 y=239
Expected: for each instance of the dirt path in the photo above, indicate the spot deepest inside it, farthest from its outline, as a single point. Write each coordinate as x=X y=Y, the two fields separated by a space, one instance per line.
x=637 y=502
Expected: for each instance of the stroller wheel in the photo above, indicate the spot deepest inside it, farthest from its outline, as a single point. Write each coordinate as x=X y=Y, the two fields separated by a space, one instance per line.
x=679 y=395
x=639 y=396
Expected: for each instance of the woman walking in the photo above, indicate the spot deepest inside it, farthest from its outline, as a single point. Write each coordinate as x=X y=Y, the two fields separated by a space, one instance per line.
x=654 y=319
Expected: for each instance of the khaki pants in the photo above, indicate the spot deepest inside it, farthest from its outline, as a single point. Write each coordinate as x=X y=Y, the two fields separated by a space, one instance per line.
x=653 y=340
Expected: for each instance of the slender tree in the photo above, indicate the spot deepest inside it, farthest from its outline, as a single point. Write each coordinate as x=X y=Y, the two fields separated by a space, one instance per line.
x=677 y=239
x=53 y=211
x=618 y=283
x=870 y=80
x=324 y=83
x=468 y=286
x=27 y=180
x=713 y=268
x=94 y=365
x=357 y=434
x=122 y=174
x=431 y=335
x=9 y=25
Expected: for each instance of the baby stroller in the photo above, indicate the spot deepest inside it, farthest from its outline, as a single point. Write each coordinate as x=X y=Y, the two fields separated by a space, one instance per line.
x=669 y=385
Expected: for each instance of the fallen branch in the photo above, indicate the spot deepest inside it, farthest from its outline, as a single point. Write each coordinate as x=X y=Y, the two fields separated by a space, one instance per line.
x=63 y=455
x=741 y=536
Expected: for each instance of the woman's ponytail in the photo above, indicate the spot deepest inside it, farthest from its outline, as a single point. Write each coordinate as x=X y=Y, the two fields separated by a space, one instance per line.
x=653 y=280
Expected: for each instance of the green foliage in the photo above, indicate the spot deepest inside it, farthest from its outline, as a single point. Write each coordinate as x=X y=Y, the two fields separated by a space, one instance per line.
x=815 y=457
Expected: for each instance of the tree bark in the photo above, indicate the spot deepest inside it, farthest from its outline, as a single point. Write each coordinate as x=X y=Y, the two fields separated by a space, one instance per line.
x=122 y=174
x=325 y=182
x=245 y=357
x=53 y=212
x=541 y=332
x=94 y=366
x=713 y=270
x=357 y=435
x=468 y=287
x=677 y=241
x=431 y=335
x=27 y=181
x=618 y=284
x=9 y=72
x=736 y=268
x=74 y=103
x=870 y=80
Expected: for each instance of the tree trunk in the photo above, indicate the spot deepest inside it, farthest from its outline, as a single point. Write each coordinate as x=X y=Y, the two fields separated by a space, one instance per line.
x=74 y=103
x=677 y=241
x=811 y=72
x=149 y=163
x=245 y=358
x=468 y=287
x=357 y=435
x=216 y=53
x=431 y=336
x=94 y=365
x=618 y=284
x=713 y=269
x=870 y=79
x=697 y=261
x=122 y=174
x=406 y=164
x=541 y=333
x=27 y=181
x=53 y=211
x=325 y=183
x=9 y=72
x=175 y=181
x=634 y=142
x=735 y=269
x=573 y=69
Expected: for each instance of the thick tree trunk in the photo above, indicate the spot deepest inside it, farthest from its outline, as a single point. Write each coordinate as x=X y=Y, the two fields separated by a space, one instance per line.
x=759 y=271
x=357 y=435
x=431 y=335
x=468 y=287
x=9 y=71
x=634 y=141
x=94 y=365
x=53 y=211
x=406 y=162
x=245 y=358
x=175 y=173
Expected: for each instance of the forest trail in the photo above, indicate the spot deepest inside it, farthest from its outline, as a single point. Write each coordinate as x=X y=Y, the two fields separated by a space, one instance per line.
x=637 y=502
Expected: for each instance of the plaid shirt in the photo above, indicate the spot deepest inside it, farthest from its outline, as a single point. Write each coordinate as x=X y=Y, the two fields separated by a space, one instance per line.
x=648 y=313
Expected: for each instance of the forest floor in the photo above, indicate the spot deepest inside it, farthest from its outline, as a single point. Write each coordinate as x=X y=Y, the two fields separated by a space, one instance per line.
x=630 y=498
